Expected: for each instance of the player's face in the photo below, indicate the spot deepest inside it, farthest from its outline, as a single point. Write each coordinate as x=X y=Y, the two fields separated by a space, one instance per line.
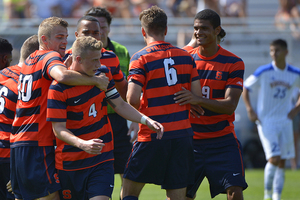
x=90 y=63
x=58 y=40
x=104 y=29
x=205 y=33
x=88 y=28
x=278 y=53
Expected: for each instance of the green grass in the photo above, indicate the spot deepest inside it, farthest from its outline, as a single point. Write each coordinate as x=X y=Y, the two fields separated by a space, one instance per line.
x=255 y=190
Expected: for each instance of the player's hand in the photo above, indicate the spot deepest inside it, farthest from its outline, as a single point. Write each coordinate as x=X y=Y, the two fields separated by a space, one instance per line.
x=68 y=61
x=8 y=187
x=193 y=41
x=185 y=96
x=196 y=111
x=93 y=146
x=155 y=126
x=252 y=116
x=102 y=81
x=134 y=127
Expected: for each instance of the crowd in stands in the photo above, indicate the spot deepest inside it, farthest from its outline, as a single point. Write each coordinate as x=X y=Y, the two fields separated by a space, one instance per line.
x=118 y=8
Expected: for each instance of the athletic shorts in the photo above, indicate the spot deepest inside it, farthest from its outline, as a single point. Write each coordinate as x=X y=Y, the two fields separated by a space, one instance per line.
x=277 y=139
x=4 y=178
x=159 y=161
x=87 y=183
x=33 y=173
x=220 y=161
x=122 y=144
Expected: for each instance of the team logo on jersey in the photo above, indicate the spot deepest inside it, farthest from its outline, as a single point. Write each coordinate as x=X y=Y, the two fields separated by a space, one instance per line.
x=239 y=83
x=218 y=75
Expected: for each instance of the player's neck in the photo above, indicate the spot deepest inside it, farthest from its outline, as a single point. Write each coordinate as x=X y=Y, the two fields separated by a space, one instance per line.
x=208 y=50
x=280 y=64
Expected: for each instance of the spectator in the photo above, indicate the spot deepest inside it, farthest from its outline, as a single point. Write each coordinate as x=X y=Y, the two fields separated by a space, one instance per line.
x=16 y=9
x=5 y=53
x=211 y=4
x=140 y=5
x=182 y=8
x=233 y=8
x=288 y=16
x=44 y=9
x=118 y=8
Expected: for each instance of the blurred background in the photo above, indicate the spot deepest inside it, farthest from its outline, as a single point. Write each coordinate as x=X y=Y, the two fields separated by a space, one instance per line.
x=250 y=26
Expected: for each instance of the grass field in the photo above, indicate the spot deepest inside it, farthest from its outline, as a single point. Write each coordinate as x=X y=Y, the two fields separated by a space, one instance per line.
x=255 y=190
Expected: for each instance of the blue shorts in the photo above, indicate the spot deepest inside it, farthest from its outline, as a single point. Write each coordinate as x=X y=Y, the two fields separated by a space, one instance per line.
x=87 y=183
x=220 y=161
x=4 y=178
x=33 y=173
x=159 y=161
x=122 y=144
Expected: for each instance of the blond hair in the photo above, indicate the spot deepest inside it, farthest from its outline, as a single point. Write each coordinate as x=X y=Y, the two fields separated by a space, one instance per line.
x=83 y=44
x=47 y=25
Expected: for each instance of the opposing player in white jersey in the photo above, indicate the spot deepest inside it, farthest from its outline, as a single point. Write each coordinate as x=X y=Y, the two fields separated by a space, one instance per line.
x=274 y=83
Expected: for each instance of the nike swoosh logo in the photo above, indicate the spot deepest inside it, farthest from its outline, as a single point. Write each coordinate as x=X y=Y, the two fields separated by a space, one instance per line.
x=111 y=185
x=77 y=101
x=235 y=174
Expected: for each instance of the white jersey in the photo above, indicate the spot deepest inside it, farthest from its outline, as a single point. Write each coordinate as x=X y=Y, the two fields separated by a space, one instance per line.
x=275 y=88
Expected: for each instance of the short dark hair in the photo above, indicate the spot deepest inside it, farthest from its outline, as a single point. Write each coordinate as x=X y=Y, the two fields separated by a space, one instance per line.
x=279 y=42
x=154 y=20
x=99 y=12
x=5 y=46
x=30 y=45
x=87 y=18
x=210 y=15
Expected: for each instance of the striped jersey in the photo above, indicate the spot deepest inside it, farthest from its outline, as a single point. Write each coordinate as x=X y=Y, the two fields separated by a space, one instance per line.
x=162 y=69
x=275 y=90
x=217 y=73
x=83 y=108
x=30 y=127
x=8 y=100
x=110 y=60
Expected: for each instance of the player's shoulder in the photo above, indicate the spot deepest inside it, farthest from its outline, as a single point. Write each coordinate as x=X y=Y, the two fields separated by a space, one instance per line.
x=119 y=46
x=108 y=53
x=230 y=56
x=263 y=69
x=59 y=87
x=293 y=69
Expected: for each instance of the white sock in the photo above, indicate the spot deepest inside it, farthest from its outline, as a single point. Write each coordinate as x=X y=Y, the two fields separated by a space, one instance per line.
x=278 y=182
x=268 y=194
x=269 y=173
x=276 y=196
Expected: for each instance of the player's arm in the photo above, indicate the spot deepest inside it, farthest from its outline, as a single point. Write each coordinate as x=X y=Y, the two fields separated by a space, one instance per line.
x=93 y=146
x=130 y=113
x=250 y=111
x=295 y=110
x=122 y=87
x=223 y=106
x=70 y=77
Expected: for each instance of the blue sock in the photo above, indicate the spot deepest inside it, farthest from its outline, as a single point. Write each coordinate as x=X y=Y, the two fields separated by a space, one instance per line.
x=130 y=198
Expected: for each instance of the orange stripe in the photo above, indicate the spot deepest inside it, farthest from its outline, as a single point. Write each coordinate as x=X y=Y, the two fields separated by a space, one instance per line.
x=46 y=166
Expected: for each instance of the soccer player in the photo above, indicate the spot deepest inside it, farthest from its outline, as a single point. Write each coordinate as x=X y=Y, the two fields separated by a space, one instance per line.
x=35 y=176
x=218 y=153
x=8 y=97
x=84 y=154
x=122 y=140
x=5 y=53
x=158 y=71
x=275 y=83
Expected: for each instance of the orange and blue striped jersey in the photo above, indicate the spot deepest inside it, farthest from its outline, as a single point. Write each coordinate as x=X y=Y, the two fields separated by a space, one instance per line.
x=30 y=127
x=110 y=60
x=162 y=69
x=10 y=72
x=83 y=108
x=217 y=73
x=8 y=100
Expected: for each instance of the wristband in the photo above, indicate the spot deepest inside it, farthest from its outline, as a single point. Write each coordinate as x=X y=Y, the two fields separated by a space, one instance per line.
x=144 y=119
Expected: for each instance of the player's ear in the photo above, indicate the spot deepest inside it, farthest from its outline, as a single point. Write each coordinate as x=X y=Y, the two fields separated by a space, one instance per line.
x=78 y=59
x=44 y=39
x=218 y=30
x=76 y=34
x=166 y=30
x=143 y=32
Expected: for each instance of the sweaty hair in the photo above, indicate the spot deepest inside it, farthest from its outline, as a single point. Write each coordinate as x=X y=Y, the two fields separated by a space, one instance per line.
x=210 y=15
x=154 y=20
x=5 y=46
x=46 y=26
x=30 y=45
x=83 y=44
x=280 y=42
x=86 y=18
x=99 y=12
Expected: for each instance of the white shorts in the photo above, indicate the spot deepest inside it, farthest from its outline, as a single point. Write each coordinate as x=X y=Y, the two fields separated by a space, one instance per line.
x=277 y=139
